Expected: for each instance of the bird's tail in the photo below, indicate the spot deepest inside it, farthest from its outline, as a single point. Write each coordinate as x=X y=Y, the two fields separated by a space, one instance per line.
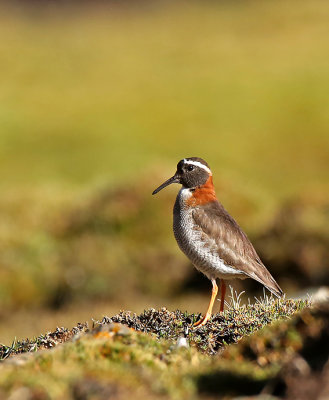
x=267 y=280
x=275 y=289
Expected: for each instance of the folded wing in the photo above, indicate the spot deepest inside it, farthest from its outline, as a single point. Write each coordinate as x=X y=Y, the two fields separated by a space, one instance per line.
x=234 y=247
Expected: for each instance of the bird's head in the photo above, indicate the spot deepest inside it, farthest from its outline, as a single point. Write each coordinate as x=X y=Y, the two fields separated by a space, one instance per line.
x=191 y=172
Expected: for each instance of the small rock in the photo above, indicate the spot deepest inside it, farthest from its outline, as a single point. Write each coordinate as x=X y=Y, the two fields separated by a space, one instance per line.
x=321 y=295
x=182 y=342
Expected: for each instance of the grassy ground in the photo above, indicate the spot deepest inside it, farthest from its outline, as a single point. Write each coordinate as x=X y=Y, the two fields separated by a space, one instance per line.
x=223 y=329
x=112 y=359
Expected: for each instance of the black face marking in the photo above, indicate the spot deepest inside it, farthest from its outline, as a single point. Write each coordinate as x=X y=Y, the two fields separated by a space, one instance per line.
x=191 y=176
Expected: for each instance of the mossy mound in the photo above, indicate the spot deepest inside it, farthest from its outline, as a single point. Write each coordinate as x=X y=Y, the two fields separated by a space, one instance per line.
x=223 y=328
x=286 y=359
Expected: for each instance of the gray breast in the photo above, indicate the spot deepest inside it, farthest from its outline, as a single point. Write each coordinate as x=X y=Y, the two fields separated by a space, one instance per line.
x=198 y=247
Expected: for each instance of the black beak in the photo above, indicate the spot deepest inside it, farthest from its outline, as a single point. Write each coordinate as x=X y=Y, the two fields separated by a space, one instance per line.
x=173 y=179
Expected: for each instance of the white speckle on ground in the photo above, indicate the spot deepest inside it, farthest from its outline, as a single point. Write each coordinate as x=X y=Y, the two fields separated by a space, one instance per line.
x=182 y=342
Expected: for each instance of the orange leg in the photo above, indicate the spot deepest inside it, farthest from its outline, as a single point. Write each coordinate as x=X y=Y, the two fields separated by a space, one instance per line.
x=222 y=294
x=214 y=292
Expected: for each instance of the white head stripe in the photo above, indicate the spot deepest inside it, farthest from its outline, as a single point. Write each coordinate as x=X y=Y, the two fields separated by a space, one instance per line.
x=198 y=164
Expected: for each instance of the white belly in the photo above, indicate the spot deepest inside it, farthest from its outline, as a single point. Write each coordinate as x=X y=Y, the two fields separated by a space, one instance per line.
x=204 y=255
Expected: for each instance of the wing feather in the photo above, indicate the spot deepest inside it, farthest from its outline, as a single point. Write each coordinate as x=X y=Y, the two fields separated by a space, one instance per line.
x=233 y=244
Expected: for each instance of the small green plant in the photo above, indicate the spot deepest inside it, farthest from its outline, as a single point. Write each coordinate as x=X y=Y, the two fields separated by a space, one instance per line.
x=235 y=299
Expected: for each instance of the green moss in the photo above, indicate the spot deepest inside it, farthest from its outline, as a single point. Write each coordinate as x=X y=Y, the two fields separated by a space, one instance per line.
x=114 y=356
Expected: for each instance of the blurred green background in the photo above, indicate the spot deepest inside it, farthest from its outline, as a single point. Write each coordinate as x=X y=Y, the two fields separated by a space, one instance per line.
x=98 y=102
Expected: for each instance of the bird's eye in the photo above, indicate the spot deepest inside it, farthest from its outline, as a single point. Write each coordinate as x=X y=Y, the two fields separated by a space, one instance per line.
x=190 y=167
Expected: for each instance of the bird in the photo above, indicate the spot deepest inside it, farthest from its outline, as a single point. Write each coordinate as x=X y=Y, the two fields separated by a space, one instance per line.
x=209 y=236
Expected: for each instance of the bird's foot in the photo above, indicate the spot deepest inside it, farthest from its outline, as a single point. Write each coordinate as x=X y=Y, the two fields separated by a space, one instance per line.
x=202 y=321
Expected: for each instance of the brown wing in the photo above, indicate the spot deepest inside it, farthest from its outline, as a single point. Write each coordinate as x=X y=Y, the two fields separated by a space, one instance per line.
x=233 y=244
